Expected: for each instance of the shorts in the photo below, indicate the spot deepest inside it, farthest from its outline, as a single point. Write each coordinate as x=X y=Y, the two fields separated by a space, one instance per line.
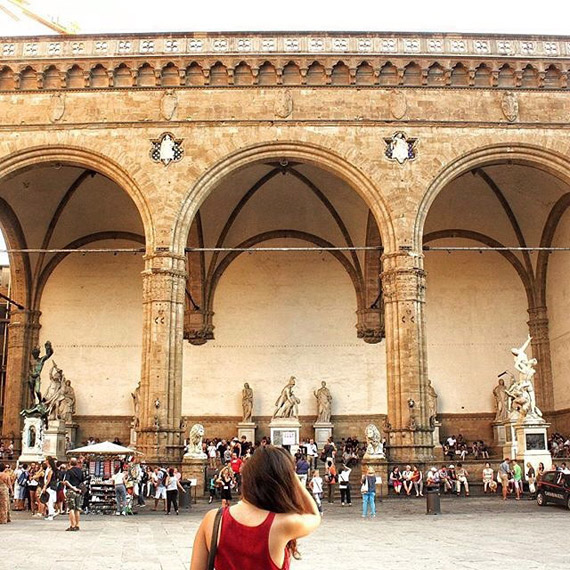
x=60 y=496
x=227 y=494
x=73 y=500
x=20 y=493
x=160 y=493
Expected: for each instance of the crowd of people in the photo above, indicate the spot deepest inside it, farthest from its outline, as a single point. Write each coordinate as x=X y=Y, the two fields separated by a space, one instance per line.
x=559 y=445
x=458 y=448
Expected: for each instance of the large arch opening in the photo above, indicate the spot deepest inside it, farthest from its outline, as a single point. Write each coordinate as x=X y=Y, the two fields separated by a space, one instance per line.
x=264 y=316
x=480 y=304
x=88 y=304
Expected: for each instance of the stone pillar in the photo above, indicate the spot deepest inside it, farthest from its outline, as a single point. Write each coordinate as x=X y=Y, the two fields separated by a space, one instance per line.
x=23 y=333
x=403 y=285
x=538 y=328
x=159 y=434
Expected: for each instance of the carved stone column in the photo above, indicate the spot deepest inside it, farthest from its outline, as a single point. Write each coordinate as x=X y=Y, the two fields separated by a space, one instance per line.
x=538 y=328
x=23 y=333
x=403 y=284
x=159 y=432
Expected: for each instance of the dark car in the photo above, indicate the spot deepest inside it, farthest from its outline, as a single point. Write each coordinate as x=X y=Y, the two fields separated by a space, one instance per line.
x=554 y=488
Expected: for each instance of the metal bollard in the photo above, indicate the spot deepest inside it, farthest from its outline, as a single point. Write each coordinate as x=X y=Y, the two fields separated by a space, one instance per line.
x=433 y=506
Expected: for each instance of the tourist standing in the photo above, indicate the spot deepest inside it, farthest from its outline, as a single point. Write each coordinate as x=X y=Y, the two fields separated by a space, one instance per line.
x=368 y=490
x=172 y=487
x=261 y=531
x=225 y=480
x=344 y=485
x=50 y=486
x=302 y=468
x=517 y=476
x=316 y=486
x=330 y=478
x=504 y=473
x=119 y=480
x=312 y=453
x=159 y=478
x=531 y=478
x=235 y=464
x=5 y=485
x=72 y=482
x=33 y=487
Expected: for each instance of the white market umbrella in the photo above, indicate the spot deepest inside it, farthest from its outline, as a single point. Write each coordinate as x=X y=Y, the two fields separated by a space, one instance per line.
x=104 y=448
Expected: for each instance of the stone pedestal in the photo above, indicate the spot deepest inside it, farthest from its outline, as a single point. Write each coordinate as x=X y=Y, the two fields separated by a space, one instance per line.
x=247 y=429
x=380 y=465
x=195 y=468
x=323 y=431
x=54 y=440
x=32 y=440
x=285 y=432
x=71 y=429
x=532 y=442
x=499 y=433
x=437 y=447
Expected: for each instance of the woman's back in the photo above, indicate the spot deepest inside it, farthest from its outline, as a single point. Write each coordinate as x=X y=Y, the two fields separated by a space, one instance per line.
x=247 y=546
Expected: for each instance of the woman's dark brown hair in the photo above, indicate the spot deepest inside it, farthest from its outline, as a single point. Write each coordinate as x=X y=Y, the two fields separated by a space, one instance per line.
x=269 y=482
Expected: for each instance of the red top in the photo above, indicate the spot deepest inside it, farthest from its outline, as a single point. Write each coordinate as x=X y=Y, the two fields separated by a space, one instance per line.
x=244 y=547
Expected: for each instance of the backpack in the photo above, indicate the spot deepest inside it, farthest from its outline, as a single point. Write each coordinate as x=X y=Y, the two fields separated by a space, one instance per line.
x=23 y=478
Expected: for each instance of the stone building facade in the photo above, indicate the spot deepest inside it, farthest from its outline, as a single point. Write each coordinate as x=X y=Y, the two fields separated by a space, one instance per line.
x=132 y=167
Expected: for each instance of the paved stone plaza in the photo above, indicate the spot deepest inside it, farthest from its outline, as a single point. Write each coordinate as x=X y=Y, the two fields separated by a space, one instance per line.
x=472 y=533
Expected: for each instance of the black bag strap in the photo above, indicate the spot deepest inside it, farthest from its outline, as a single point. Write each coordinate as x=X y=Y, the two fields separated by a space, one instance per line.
x=214 y=543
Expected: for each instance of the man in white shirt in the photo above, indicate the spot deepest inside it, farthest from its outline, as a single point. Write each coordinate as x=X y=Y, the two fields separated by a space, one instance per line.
x=312 y=453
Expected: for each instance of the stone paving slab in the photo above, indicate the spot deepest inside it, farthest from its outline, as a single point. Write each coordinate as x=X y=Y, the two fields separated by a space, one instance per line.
x=472 y=533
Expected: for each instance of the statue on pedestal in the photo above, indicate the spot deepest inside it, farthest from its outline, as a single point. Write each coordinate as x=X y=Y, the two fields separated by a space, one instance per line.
x=54 y=393
x=247 y=403
x=67 y=406
x=195 y=442
x=522 y=390
x=324 y=402
x=287 y=405
x=35 y=382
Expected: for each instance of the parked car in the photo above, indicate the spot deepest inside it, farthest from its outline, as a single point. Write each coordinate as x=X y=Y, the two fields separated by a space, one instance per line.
x=554 y=488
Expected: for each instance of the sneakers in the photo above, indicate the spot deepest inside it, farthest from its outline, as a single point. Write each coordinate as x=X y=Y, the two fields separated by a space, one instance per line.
x=117 y=514
x=50 y=518
x=342 y=504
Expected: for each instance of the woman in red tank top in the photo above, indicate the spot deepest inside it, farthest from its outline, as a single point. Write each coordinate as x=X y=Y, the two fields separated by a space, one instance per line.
x=260 y=532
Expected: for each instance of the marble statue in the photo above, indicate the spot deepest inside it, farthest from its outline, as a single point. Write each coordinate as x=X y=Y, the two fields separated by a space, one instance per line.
x=324 y=402
x=67 y=405
x=287 y=405
x=247 y=403
x=54 y=394
x=374 y=444
x=136 y=396
x=521 y=391
x=431 y=404
x=501 y=401
x=59 y=398
x=195 y=441
x=37 y=364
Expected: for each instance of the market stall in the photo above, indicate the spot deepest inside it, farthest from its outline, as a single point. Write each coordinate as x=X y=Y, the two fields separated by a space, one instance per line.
x=101 y=461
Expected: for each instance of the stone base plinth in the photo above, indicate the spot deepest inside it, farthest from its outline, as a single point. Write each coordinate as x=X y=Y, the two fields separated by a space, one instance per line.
x=32 y=440
x=532 y=443
x=54 y=440
x=195 y=468
x=247 y=429
x=380 y=465
x=285 y=432
x=499 y=433
x=323 y=431
x=71 y=429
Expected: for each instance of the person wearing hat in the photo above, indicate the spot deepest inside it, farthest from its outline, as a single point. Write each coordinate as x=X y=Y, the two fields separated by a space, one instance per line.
x=368 y=490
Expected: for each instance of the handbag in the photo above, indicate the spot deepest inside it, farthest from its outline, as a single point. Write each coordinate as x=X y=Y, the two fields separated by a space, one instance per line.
x=214 y=543
x=364 y=487
x=44 y=497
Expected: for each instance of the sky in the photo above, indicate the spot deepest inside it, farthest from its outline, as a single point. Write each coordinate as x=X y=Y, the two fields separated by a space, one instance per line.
x=481 y=16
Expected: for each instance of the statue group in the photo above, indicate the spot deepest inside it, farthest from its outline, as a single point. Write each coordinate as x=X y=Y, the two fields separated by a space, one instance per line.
x=517 y=400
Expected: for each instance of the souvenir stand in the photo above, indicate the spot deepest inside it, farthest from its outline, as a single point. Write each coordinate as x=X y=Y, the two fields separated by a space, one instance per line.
x=102 y=460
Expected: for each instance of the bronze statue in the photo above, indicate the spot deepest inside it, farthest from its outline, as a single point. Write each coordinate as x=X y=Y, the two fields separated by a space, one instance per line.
x=37 y=364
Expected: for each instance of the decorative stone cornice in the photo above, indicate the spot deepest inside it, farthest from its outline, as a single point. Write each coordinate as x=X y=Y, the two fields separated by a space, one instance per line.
x=284 y=43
